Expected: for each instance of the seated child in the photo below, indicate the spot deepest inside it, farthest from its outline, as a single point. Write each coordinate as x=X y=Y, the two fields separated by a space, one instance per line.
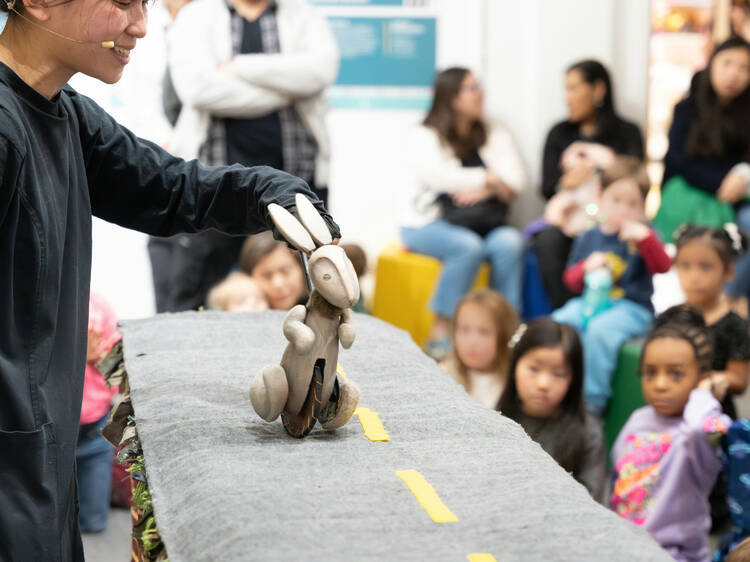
x=666 y=458
x=483 y=324
x=276 y=269
x=628 y=252
x=544 y=394
x=705 y=264
x=238 y=292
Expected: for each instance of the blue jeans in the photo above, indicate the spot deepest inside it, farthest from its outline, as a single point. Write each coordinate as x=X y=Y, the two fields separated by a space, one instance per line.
x=601 y=339
x=462 y=251
x=94 y=476
x=740 y=285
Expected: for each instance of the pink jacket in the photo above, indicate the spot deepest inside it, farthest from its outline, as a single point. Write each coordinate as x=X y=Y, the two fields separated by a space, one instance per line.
x=97 y=398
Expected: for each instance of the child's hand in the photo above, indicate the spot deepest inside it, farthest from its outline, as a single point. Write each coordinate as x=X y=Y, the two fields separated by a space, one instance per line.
x=574 y=177
x=733 y=188
x=596 y=260
x=716 y=383
x=634 y=231
x=719 y=385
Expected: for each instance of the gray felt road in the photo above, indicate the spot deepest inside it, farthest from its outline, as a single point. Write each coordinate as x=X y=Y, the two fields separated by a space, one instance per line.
x=228 y=486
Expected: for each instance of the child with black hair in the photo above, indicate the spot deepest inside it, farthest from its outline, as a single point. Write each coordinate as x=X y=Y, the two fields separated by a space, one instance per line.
x=544 y=393
x=705 y=263
x=666 y=459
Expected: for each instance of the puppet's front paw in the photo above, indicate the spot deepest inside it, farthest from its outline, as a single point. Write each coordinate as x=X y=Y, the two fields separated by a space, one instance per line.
x=346 y=334
x=269 y=391
x=302 y=338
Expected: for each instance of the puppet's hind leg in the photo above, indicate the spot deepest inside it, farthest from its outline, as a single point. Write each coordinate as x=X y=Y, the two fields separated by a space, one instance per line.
x=341 y=405
x=269 y=391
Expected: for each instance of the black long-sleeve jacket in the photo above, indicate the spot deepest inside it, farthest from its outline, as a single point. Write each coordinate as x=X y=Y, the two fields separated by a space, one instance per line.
x=61 y=162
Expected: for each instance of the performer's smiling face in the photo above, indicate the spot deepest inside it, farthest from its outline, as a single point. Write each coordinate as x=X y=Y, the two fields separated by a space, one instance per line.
x=86 y=24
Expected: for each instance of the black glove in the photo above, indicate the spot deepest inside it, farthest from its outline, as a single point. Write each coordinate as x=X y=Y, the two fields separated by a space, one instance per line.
x=333 y=228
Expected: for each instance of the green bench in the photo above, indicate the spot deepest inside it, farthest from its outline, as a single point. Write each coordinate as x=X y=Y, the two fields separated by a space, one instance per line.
x=626 y=392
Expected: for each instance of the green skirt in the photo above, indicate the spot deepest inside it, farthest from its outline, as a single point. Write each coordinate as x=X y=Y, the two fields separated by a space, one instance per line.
x=681 y=203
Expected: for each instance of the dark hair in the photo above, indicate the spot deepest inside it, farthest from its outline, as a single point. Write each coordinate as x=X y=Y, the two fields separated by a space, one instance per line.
x=570 y=443
x=718 y=129
x=442 y=116
x=357 y=256
x=728 y=242
x=257 y=247
x=627 y=167
x=592 y=71
x=683 y=322
x=740 y=553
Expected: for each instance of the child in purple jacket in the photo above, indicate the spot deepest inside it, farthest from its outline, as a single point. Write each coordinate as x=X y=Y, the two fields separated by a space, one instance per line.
x=666 y=458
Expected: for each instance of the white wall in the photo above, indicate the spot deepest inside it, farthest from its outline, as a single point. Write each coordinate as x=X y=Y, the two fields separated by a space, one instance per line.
x=520 y=48
x=368 y=170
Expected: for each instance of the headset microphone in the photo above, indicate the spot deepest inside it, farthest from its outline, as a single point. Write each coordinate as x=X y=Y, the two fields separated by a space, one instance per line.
x=11 y=8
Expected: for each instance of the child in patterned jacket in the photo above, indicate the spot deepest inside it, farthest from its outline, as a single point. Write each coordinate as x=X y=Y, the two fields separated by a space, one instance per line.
x=666 y=458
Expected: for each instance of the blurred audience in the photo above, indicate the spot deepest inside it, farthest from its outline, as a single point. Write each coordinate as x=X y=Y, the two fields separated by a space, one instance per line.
x=482 y=327
x=250 y=76
x=467 y=171
x=707 y=169
x=575 y=151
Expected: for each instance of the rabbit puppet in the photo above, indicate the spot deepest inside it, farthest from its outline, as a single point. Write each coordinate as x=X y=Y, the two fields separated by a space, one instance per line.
x=305 y=388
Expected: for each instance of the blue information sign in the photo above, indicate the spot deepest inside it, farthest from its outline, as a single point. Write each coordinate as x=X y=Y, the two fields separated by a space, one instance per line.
x=386 y=52
x=359 y=2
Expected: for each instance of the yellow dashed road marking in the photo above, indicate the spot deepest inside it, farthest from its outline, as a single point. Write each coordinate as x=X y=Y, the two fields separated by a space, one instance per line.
x=372 y=425
x=481 y=557
x=427 y=496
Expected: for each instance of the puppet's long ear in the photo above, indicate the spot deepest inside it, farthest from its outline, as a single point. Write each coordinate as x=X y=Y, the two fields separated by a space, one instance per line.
x=312 y=221
x=291 y=228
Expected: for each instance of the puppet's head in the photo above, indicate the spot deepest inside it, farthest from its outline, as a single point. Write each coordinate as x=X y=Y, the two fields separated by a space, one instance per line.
x=330 y=271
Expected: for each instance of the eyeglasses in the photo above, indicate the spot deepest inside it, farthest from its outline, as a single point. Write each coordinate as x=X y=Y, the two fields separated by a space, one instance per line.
x=475 y=87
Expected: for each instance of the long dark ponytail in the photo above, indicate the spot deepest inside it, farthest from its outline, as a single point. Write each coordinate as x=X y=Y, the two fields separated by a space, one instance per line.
x=718 y=130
